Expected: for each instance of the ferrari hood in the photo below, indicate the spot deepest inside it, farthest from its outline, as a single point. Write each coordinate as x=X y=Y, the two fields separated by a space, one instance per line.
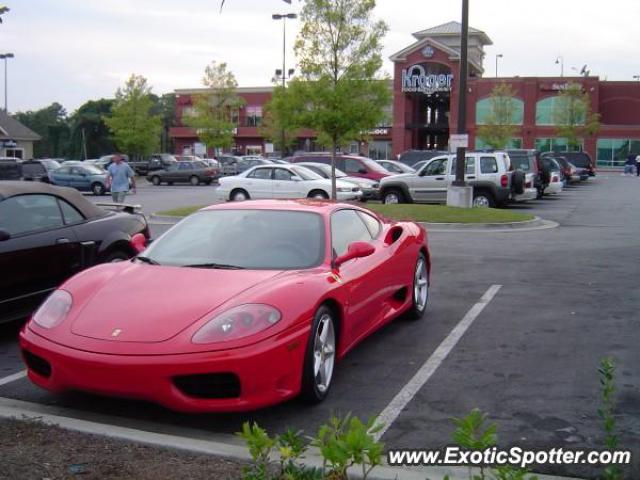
x=145 y=303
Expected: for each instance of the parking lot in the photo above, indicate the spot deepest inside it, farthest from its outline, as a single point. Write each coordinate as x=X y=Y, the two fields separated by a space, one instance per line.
x=569 y=296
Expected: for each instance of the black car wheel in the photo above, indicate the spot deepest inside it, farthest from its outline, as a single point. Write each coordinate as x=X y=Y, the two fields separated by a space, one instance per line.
x=318 y=195
x=117 y=256
x=483 y=199
x=98 y=189
x=195 y=181
x=156 y=180
x=320 y=356
x=239 y=195
x=392 y=197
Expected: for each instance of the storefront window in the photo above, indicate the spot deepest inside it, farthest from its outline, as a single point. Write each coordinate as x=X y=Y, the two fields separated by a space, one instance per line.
x=254 y=116
x=485 y=108
x=380 y=150
x=544 y=111
x=555 y=144
x=513 y=143
x=613 y=152
x=549 y=109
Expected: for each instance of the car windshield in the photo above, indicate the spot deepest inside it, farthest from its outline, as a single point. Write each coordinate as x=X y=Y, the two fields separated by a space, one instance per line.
x=50 y=164
x=305 y=173
x=244 y=239
x=326 y=170
x=92 y=170
x=376 y=167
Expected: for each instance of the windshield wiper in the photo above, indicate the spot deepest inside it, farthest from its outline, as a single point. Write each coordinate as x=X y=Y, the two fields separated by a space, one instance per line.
x=220 y=266
x=148 y=260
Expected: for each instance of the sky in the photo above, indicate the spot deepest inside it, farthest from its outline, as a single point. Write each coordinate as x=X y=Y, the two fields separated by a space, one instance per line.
x=71 y=51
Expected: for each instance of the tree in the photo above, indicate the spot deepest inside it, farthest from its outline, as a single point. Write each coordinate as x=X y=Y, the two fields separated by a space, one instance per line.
x=135 y=129
x=212 y=114
x=51 y=124
x=88 y=129
x=339 y=53
x=165 y=106
x=498 y=126
x=279 y=121
x=573 y=116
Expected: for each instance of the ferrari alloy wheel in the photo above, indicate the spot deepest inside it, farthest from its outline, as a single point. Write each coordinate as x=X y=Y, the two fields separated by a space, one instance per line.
x=320 y=356
x=420 y=293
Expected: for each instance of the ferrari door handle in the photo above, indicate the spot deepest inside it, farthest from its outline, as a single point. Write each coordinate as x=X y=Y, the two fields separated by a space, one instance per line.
x=62 y=241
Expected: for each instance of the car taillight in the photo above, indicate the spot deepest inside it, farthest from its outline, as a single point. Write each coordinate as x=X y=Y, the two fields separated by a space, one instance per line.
x=504 y=181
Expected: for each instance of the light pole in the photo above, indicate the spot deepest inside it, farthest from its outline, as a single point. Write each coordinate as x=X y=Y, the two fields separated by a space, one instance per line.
x=283 y=17
x=497 y=57
x=560 y=61
x=462 y=94
x=5 y=56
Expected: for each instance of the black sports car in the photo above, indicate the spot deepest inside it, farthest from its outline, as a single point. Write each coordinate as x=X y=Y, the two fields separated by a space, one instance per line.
x=49 y=233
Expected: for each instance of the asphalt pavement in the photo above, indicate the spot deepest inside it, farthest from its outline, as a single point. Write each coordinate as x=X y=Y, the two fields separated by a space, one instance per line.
x=569 y=297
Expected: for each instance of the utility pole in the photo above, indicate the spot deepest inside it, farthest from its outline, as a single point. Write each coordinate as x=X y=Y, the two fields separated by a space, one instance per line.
x=462 y=95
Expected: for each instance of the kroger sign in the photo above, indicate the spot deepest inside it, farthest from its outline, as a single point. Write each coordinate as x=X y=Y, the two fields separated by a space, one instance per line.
x=417 y=79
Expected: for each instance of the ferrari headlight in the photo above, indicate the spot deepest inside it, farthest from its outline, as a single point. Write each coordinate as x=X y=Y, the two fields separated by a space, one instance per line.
x=54 y=310
x=239 y=322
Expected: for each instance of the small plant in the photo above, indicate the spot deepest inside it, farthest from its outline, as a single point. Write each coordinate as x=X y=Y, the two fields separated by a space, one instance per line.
x=345 y=442
x=473 y=433
x=607 y=372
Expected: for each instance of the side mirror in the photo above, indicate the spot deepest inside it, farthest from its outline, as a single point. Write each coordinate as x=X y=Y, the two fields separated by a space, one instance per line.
x=4 y=235
x=138 y=242
x=355 y=250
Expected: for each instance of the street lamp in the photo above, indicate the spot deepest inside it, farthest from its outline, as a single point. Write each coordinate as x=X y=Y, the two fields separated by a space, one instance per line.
x=283 y=17
x=4 y=56
x=497 y=57
x=560 y=61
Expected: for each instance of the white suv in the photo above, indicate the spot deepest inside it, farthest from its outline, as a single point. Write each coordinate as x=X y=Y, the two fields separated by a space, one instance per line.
x=494 y=183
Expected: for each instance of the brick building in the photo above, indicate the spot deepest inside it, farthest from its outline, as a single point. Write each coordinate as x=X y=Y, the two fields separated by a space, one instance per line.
x=425 y=100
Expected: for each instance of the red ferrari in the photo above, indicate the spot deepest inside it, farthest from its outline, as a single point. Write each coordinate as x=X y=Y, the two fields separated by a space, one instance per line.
x=237 y=307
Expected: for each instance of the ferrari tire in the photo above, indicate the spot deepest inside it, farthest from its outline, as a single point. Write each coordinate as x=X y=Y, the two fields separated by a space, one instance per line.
x=320 y=356
x=420 y=288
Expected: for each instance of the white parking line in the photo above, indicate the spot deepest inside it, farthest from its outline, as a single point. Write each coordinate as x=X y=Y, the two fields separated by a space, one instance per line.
x=13 y=378
x=402 y=399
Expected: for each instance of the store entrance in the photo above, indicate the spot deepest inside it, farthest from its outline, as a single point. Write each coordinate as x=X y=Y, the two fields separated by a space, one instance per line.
x=431 y=121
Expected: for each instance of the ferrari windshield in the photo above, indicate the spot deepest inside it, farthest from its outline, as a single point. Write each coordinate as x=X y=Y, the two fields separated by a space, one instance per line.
x=242 y=239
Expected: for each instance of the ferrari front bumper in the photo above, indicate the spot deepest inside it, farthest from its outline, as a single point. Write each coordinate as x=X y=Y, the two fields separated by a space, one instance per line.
x=267 y=373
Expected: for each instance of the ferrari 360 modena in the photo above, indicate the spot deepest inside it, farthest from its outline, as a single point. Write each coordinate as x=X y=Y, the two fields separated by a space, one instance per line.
x=237 y=307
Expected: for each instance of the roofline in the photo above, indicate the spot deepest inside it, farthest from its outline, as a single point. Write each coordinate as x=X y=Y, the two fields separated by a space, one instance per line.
x=195 y=91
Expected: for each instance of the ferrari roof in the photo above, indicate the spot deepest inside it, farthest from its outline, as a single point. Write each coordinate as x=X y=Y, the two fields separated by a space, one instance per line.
x=12 y=188
x=303 y=204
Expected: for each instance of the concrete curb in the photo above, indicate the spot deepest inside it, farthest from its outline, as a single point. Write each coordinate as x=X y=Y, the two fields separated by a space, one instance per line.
x=536 y=223
x=222 y=445
x=525 y=226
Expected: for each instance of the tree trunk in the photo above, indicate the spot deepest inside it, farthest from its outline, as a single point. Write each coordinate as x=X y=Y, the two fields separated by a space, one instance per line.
x=334 y=148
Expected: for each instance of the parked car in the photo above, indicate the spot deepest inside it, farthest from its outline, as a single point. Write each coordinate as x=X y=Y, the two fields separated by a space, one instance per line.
x=353 y=166
x=569 y=171
x=581 y=160
x=370 y=188
x=155 y=161
x=553 y=169
x=494 y=182
x=418 y=165
x=86 y=178
x=10 y=168
x=229 y=164
x=248 y=162
x=272 y=294
x=395 y=167
x=49 y=233
x=39 y=170
x=528 y=162
x=194 y=173
x=282 y=181
x=411 y=157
